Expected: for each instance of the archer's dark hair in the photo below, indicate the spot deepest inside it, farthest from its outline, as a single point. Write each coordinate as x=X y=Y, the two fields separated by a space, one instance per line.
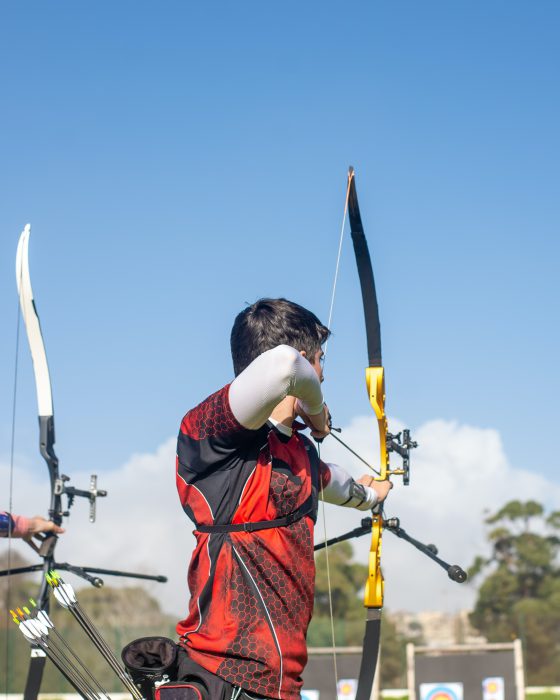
x=271 y=322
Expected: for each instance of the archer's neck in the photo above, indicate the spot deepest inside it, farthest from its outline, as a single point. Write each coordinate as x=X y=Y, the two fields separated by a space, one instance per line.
x=285 y=412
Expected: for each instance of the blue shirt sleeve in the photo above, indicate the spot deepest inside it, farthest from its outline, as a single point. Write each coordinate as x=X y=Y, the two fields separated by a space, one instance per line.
x=7 y=524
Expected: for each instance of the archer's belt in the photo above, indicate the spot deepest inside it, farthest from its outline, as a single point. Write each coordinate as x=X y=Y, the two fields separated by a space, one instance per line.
x=306 y=508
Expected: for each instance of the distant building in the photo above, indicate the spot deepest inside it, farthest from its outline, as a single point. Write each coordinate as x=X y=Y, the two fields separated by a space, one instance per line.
x=437 y=628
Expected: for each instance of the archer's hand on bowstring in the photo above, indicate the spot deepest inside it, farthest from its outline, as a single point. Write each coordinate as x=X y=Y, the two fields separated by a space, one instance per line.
x=381 y=488
x=319 y=424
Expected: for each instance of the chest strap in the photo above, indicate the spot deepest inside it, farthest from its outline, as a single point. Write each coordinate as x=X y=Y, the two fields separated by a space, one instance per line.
x=306 y=508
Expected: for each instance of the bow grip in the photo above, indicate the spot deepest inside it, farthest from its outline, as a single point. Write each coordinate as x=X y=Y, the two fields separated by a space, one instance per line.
x=373 y=597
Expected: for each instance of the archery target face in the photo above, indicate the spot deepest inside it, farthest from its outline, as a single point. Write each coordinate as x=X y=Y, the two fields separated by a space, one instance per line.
x=441 y=691
x=493 y=688
x=346 y=689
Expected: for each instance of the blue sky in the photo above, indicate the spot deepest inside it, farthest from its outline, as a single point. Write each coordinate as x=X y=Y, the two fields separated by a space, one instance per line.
x=177 y=160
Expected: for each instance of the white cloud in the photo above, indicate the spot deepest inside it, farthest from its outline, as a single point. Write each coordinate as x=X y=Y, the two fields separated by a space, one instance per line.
x=458 y=473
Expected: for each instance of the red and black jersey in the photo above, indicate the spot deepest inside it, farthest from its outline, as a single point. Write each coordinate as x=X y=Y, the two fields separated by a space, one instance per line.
x=251 y=591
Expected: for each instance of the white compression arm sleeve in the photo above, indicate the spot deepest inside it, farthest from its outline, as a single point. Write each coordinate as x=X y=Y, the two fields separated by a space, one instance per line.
x=342 y=490
x=271 y=377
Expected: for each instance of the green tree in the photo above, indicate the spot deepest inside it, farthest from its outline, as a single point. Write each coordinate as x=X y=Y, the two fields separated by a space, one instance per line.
x=346 y=581
x=520 y=596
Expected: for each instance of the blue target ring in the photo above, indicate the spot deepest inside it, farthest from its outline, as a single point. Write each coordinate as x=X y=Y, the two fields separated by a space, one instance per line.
x=441 y=692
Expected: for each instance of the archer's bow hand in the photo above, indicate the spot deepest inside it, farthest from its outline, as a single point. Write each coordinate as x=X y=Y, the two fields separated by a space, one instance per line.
x=381 y=488
x=319 y=424
x=38 y=525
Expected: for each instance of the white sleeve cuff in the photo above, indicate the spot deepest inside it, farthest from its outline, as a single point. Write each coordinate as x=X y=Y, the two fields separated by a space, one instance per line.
x=342 y=490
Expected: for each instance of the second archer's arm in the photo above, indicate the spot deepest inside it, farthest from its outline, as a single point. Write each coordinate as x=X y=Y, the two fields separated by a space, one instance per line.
x=20 y=526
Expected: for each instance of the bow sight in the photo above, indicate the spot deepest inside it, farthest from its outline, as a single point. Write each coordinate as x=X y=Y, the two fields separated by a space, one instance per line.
x=401 y=444
x=92 y=494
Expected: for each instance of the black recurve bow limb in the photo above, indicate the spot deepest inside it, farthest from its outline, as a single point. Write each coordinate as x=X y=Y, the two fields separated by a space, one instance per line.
x=400 y=443
x=375 y=383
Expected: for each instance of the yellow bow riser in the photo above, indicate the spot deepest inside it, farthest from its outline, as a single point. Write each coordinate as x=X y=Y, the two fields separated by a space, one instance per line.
x=373 y=597
x=375 y=382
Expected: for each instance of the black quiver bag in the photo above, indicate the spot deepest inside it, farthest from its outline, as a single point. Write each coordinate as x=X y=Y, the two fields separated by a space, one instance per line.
x=151 y=661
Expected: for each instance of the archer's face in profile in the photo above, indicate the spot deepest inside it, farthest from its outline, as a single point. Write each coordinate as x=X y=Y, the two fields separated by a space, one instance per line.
x=317 y=364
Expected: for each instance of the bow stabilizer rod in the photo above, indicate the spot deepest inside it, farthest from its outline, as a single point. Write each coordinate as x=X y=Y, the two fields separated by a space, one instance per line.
x=454 y=571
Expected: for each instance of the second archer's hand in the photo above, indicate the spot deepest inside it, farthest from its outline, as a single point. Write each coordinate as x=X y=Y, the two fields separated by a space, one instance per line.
x=319 y=424
x=381 y=488
x=39 y=525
